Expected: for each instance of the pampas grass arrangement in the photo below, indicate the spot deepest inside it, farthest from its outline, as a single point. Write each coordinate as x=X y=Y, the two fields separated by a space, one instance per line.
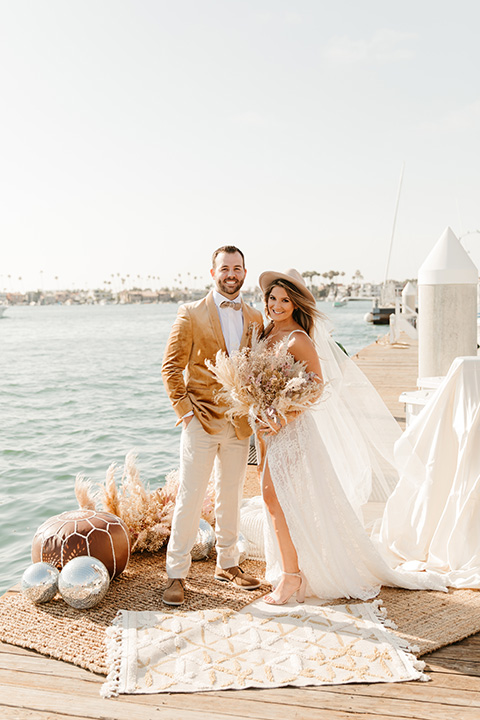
x=147 y=514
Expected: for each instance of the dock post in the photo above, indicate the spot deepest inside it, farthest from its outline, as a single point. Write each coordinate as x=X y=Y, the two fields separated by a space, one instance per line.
x=409 y=299
x=447 y=307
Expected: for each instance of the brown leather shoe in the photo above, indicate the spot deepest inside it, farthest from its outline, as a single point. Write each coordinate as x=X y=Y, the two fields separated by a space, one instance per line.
x=238 y=577
x=174 y=593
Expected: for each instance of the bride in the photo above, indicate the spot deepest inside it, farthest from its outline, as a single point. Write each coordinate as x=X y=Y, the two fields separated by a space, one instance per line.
x=322 y=464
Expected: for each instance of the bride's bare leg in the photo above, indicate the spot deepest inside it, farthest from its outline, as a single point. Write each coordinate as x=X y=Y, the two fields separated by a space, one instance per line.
x=289 y=583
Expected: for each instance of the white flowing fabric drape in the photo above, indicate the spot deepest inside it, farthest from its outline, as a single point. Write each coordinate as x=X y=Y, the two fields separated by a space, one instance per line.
x=432 y=518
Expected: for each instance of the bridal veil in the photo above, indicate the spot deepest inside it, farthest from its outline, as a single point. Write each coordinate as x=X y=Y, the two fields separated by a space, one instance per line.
x=356 y=426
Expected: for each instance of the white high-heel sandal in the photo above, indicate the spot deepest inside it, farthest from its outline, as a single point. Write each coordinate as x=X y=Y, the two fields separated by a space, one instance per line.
x=300 y=591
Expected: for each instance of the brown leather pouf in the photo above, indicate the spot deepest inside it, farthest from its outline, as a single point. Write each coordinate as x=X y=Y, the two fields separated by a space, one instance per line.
x=83 y=532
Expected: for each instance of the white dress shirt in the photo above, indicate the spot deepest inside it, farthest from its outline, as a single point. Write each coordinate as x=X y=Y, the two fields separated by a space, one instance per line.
x=231 y=321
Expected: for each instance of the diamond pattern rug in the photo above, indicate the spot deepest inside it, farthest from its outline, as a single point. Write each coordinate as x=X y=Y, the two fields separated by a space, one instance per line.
x=155 y=652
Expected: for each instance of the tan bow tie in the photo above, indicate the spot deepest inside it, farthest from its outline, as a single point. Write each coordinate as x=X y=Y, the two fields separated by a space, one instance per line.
x=230 y=304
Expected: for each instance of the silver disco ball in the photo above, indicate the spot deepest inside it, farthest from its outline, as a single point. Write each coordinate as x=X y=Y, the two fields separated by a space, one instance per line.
x=40 y=582
x=83 y=582
x=204 y=541
x=242 y=547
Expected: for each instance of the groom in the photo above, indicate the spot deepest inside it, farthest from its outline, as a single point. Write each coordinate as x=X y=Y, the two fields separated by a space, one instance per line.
x=220 y=321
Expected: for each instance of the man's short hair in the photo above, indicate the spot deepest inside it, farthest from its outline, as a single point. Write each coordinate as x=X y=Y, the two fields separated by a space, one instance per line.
x=227 y=249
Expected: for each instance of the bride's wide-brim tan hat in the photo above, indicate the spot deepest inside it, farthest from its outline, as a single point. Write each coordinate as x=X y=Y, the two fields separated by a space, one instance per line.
x=292 y=276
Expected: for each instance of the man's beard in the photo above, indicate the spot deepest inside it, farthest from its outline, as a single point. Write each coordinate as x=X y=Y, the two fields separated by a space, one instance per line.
x=230 y=289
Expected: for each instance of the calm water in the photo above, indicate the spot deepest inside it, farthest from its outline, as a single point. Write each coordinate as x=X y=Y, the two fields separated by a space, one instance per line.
x=80 y=387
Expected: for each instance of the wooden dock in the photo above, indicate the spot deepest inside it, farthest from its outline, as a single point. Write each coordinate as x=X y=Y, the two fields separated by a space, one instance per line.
x=34 y=687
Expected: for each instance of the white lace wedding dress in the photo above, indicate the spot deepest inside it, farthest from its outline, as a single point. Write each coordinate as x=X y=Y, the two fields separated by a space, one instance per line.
x=334 y=550
x=324 y=465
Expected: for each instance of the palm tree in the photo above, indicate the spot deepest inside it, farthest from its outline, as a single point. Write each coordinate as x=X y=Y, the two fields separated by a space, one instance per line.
x=309 y=274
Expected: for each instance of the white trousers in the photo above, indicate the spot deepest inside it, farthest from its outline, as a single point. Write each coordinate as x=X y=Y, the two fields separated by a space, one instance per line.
x=199 y=453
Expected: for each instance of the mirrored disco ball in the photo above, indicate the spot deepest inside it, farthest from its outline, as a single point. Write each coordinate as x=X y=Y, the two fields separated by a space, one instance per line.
x=242 y=547
x=40 y=582
x=204 y=542
x=83 y=582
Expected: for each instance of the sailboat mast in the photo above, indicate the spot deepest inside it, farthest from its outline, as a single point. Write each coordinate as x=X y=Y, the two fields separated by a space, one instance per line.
x=393 y=229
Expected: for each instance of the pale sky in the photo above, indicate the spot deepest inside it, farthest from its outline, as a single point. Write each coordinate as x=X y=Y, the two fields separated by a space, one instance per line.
x=136 y=137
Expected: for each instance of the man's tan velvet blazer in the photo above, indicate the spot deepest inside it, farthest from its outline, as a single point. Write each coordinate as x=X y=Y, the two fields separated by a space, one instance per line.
x=197 y=336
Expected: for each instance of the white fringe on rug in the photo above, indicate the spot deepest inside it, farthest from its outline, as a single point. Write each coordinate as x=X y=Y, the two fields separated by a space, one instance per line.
x=310 y=644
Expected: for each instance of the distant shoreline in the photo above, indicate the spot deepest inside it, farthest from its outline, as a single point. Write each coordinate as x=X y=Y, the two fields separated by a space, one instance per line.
x=138 y=296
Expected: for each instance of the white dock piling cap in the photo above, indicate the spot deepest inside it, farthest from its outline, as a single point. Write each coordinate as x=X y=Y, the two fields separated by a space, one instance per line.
x=409 y=289
x=448 y=263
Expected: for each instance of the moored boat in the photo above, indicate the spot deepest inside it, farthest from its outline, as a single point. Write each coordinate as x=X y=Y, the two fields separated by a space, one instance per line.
x=379 y=315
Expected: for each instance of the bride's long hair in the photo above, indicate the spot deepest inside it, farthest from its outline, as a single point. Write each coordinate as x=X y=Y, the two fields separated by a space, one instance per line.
x=305 y=313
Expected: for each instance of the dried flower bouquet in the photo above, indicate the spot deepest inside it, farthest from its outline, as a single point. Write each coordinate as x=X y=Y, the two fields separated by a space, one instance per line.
x=264 y=383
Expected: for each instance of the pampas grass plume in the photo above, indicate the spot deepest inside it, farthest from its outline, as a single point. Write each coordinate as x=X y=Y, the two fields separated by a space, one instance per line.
x=84 y=493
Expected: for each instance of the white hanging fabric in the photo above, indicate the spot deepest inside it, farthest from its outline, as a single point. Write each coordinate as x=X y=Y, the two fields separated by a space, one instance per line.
x=431 y=520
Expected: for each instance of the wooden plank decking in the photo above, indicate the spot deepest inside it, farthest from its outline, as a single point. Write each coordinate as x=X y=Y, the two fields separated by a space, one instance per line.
x=33 y=687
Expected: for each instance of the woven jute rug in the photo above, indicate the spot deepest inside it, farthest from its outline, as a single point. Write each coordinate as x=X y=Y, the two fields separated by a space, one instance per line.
x=426 y=619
